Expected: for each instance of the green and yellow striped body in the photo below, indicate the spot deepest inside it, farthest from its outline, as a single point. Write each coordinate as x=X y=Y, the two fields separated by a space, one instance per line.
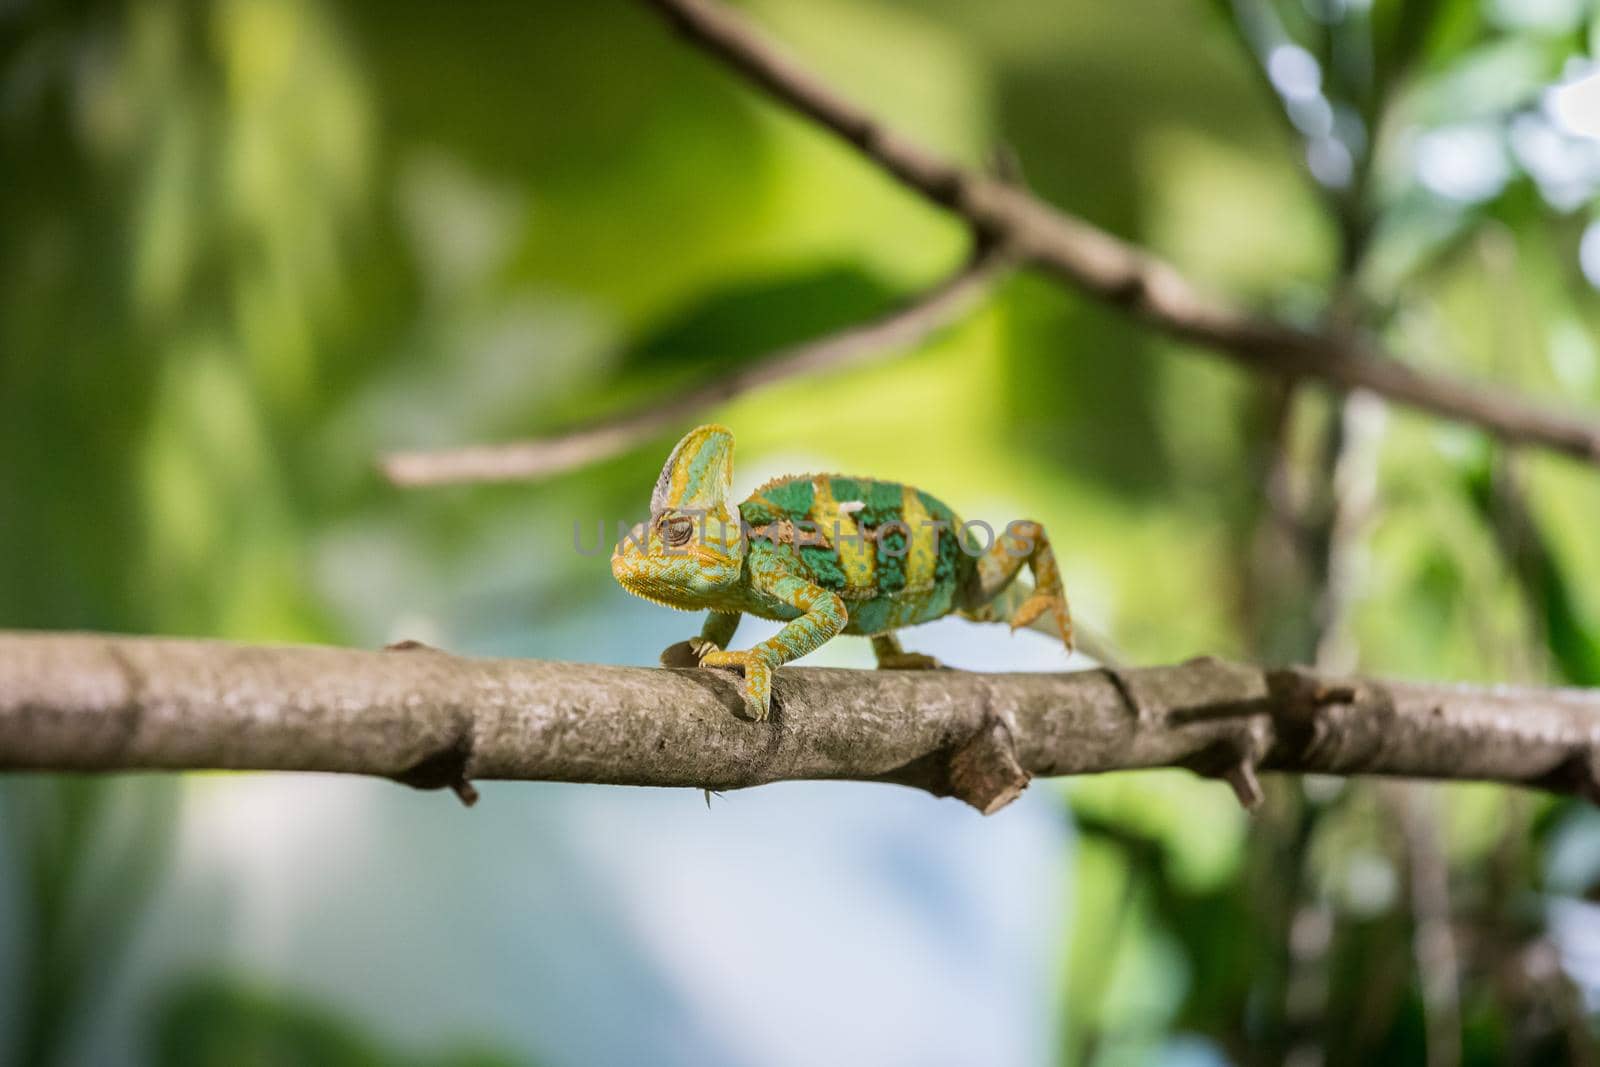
x=889 y=551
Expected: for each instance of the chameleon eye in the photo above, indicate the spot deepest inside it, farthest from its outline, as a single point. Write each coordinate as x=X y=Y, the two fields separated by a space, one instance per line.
x=677 y=532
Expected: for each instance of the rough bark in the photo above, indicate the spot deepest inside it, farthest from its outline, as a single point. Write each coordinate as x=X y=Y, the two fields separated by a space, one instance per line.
x=87 y=702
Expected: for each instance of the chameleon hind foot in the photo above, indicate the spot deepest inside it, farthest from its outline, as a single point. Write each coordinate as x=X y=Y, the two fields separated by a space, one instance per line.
x=1036 y=605
x=891 y=657
x=757 y=678
x=1034 y=608
x=992 y=597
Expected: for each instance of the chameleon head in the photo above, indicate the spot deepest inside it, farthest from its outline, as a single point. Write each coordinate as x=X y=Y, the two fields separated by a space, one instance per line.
x=692 y=548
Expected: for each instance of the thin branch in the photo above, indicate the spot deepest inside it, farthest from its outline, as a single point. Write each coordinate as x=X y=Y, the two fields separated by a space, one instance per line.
x=88 y=702
x=940 y=306
x=1113 y=270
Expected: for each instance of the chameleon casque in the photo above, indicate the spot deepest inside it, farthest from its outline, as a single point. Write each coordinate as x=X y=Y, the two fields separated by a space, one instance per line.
x=826 y=554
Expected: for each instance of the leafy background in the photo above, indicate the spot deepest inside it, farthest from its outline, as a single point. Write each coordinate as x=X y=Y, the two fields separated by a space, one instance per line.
x=247 y=245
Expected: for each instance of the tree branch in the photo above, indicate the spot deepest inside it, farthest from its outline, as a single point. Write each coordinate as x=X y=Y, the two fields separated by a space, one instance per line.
x=544 y=457
x=87 y=702
x=1115 y=271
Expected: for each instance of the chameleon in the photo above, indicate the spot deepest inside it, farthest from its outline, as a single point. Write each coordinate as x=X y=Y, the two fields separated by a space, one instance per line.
x=825 y=554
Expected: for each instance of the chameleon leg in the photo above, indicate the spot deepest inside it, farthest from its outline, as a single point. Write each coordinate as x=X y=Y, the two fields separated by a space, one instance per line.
x=716 y=633
x=891 y=657
x=823 y=616
x=987 y=598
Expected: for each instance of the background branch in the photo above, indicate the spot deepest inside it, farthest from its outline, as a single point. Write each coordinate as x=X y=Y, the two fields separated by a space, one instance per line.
x=544 y=457
x=86 y=702
x=1113 y=270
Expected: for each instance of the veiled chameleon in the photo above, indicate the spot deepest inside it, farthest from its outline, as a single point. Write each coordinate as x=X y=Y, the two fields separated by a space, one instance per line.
x=827 y=555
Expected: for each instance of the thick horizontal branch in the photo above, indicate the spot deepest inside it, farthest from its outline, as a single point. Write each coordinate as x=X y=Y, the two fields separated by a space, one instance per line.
x=544 y=457
x=85 y=702
x=1113 y=270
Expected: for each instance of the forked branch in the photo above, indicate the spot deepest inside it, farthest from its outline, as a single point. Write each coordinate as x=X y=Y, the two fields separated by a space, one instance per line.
x=1114 y=271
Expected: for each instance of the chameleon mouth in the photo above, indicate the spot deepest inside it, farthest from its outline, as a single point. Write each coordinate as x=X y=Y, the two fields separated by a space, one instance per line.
x=638 y=581
x=659 y=601
x=644 y=593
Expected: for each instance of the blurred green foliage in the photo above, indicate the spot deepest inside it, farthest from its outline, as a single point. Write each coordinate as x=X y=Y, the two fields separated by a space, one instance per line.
x=218 y=1021
x=245 y=245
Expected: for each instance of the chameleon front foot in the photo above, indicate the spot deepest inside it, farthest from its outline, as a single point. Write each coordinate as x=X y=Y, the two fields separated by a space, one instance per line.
x=757 y=678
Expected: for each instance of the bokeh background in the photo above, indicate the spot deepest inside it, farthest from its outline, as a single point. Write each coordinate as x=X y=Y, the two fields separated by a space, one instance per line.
x=246 y=246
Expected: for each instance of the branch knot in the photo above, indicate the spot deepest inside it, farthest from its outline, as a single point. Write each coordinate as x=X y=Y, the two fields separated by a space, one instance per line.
x=984 y=770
